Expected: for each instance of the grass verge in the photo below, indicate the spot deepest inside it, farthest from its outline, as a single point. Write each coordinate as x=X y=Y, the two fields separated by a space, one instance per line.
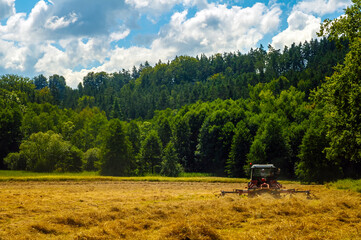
x=347 y=184
x=24 y=176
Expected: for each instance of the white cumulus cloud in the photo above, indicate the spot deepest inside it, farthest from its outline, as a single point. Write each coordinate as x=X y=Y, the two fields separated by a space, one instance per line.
x=159 y=6
x=73 y=37
x=118 y=35
x=322 y=7
x=71 y=53
x=218 y=29
x=301 y=27
x=55 y=22
x=16 y=60
x=7 y=8
x=215 y=29
x=22 y=28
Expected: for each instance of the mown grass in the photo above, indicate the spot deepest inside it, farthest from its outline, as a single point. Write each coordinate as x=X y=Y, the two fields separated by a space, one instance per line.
x=94 y=176
x=172 y=211
x=347 y=184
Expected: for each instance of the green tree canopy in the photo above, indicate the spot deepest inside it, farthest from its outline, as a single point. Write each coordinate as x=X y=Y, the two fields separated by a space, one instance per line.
x=271 y=145
x=239 y=149
x=151 y=153
x=341 y=94
x=40 y=82
x=91 y=159
x=215 y=140
x=11 y=115
x=170 y=165
x=117 y=157
x=48 y=152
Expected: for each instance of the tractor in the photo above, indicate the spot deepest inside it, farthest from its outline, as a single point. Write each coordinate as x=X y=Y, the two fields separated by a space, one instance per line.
x=264 y=180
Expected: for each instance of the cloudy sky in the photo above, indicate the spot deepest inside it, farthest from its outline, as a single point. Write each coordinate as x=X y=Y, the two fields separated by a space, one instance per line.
x=73 y=37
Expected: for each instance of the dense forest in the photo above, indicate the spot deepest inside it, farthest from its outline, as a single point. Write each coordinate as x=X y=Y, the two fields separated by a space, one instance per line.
x=298 y=108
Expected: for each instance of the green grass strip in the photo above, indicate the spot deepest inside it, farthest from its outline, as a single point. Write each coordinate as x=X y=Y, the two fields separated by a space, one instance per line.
x=93 y=176
x=347 y=184
x=24 y=176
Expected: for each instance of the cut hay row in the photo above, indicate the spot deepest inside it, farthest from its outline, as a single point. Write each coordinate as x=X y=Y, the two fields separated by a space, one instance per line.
x=171 y=210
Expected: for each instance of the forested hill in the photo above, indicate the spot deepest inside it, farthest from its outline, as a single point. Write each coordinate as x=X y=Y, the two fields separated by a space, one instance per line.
x=185 y=80
x=205 y=114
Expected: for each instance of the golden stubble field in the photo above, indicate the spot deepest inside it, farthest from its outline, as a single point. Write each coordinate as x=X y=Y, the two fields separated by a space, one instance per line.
x=171 y=210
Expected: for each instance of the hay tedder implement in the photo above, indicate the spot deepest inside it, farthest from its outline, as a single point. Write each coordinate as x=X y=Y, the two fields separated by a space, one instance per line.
x=264 y=180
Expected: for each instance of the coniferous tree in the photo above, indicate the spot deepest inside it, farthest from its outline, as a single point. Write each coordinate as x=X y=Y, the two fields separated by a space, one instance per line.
x=57 y=87
x=164 y=131
x=170 y=165
x=182 y=144
x=116 y=112
x=40 y=82
x=240 y=147
x=151 y=154
x=215 y=139
x=133 y=133
x=117 y=158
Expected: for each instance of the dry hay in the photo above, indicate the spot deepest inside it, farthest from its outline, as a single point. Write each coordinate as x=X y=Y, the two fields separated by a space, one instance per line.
x=148 y=210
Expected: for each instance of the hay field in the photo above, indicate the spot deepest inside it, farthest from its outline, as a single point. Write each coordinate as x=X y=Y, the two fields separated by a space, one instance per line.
x=171 y=210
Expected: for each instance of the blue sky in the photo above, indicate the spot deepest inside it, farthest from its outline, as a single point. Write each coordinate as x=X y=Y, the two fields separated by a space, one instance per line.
x=74 y=37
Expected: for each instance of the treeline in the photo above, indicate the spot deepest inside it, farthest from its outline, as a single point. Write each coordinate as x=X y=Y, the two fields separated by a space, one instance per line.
x=48 y=138
x=218 y=137
x=185 y=80
x=205 y=114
